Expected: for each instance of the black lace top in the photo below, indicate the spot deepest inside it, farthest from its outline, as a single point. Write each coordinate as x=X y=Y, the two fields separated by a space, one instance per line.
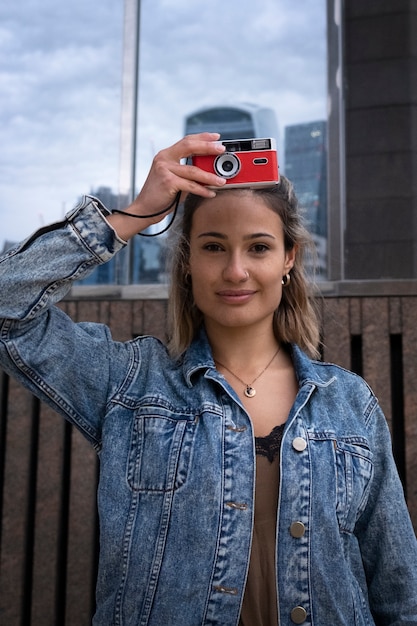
x=270 y=445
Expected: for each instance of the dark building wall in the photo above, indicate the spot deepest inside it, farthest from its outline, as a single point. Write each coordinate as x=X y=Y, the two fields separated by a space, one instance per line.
x=381 y=138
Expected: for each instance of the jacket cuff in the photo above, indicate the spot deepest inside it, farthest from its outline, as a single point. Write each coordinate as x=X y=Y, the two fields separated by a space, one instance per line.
x=88 y=219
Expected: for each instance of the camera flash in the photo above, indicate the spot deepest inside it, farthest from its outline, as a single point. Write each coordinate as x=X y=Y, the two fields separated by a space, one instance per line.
x=261 y=144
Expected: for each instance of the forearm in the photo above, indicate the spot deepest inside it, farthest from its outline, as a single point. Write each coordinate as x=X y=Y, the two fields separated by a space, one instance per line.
x=42 y=269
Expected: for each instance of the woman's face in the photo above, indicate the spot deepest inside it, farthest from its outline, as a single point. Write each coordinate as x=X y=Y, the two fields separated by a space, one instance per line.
x=237 y=260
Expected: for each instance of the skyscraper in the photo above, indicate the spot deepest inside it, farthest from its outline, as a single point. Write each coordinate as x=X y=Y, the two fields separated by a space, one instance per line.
x=240 y=121
x=306 y=167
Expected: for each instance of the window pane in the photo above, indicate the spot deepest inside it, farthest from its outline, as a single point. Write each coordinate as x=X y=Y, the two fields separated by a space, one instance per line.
x=218 y=63
x=215 y=64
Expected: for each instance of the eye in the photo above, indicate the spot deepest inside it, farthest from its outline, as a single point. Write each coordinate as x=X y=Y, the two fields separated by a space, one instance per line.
x=212 y=247
x=260 y=248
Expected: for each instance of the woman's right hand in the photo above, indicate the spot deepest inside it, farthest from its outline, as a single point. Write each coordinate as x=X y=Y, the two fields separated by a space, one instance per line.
x=168 y=176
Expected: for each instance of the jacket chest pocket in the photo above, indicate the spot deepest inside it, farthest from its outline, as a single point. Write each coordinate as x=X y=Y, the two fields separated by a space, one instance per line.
x=354 y=470
x=160 y=452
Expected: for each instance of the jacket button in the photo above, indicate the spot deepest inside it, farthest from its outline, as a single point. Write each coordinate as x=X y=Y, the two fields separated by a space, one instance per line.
x=299 y=444
x=297 y=530
x=298 y=615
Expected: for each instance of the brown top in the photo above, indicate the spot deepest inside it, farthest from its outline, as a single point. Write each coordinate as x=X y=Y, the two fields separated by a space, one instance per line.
x=260 y=599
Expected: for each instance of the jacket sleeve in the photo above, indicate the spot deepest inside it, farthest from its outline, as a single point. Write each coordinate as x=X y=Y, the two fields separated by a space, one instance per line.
x=387 y=539
x=63 y=363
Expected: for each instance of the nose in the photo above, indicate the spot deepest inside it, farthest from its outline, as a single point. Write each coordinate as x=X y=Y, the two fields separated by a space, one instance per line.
x=234 y=271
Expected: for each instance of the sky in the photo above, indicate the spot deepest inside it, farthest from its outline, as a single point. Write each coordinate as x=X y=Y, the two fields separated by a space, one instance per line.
x=61 y=83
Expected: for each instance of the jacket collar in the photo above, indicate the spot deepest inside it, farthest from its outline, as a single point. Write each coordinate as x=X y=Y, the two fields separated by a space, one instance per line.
x=199 y=357
x=310 y=371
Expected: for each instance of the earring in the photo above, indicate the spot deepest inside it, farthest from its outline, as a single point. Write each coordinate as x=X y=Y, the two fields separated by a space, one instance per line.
x=286 y=279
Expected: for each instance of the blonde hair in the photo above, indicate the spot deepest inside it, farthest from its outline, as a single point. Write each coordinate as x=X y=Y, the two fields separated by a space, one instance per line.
x=295 y=319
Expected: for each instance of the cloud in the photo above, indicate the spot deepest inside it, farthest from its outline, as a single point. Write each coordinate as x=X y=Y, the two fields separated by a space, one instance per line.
x=60 y=80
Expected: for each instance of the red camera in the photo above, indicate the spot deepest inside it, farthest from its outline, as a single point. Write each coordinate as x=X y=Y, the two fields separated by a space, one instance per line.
x=245 y=163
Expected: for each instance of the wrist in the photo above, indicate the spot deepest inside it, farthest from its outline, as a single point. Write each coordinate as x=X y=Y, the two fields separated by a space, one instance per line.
x=147 y=219
x=127 y=226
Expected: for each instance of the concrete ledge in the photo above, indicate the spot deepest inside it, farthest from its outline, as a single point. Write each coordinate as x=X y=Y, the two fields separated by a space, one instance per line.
x=344 y=288
x=118 y=292
x=367 y=288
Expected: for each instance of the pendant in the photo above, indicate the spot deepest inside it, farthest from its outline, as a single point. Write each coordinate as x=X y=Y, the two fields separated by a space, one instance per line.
x=249 y=391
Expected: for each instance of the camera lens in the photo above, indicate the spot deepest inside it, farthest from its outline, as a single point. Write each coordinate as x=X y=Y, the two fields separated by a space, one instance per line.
x=227 y=165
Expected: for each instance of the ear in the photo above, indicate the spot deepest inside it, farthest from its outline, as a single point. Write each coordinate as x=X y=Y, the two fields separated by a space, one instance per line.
x=290 y=259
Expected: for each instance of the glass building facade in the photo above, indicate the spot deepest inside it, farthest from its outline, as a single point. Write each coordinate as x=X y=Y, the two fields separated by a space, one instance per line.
x=306 y=167
x=241 y=121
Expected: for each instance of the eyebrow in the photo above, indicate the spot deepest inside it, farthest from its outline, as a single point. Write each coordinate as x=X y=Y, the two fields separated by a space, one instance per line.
x=222 y=236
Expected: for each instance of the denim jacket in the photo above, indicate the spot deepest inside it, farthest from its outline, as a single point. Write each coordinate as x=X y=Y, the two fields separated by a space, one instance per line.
x=177 y=462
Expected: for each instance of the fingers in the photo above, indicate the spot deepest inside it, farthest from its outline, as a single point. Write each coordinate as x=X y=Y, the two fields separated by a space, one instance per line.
x=174 y=176
x=202 y=143
x=195 y=180
x=168 y=175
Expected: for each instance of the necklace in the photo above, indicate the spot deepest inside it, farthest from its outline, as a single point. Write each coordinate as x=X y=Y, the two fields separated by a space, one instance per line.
x=249 y=389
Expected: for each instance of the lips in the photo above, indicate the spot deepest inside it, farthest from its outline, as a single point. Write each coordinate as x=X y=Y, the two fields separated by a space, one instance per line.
x=237 y=296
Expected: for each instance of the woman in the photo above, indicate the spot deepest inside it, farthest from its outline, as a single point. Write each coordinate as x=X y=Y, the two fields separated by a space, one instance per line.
x=240 y=481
